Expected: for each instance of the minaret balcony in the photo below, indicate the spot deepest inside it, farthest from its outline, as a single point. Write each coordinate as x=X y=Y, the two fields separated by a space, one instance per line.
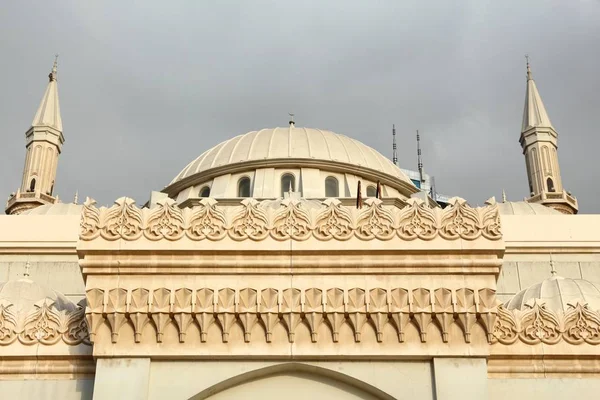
x=555 y=199
x=22 y=201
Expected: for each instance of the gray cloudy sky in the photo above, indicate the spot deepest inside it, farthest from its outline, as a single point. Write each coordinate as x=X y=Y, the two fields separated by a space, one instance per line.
x=145 y=87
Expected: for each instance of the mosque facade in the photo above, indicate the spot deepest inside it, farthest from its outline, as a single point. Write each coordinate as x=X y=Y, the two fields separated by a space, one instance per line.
x=293 y=262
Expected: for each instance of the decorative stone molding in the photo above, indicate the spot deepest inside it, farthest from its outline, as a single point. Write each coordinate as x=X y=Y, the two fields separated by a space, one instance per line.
x=290 y=307
x=538 y=324
x=291 y=220
x=44 y=324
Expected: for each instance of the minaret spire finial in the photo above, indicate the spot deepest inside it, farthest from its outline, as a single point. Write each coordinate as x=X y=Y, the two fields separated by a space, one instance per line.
x=52 y=76
x=528 y=68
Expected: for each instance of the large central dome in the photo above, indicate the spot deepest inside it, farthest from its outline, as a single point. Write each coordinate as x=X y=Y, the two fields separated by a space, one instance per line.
x=291 y=143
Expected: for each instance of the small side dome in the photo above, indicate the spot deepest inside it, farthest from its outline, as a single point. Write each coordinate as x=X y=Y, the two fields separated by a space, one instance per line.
x=525 y=208
x=55 y=209
x=558 y=294
x=24 y=293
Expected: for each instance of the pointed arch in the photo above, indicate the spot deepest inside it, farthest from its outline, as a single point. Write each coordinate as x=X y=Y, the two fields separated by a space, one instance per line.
x=290 y=369
x=550 y=185
x=288 y=181
x=332 y=187
x=205 y=191
x=244 y=187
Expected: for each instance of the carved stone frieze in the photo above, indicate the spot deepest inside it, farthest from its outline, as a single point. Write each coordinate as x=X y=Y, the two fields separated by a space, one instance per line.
x=43 y=324
x=357 y=308
x=538 y=324
x=291 y=219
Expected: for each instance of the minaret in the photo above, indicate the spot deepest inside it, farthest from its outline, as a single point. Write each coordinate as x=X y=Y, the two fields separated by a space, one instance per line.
x=539 y=143
x=43 y=143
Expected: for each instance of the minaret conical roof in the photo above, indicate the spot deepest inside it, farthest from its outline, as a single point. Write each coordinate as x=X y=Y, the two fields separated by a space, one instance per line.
x=534 y=113
x=48 y=113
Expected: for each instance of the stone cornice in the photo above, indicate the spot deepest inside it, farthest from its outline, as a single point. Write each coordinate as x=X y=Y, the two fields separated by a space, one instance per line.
x=59 y=367
x=287 y=262
x=543 y=366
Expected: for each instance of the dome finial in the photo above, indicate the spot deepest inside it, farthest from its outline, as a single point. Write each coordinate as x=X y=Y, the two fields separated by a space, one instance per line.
x=503 y=196
x=552 y=268
x=528 y=68
x=27 y=266
x=292 y=123
x=76 y=197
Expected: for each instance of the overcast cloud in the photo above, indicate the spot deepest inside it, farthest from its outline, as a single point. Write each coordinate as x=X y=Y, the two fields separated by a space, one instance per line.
x=145 y=87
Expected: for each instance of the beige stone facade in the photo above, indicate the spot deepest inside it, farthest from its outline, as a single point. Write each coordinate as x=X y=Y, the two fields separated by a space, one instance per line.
x=249 y=290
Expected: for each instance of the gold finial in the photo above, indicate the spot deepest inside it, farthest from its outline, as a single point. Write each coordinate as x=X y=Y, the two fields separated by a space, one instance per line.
x=292 y=123
x=27 y=266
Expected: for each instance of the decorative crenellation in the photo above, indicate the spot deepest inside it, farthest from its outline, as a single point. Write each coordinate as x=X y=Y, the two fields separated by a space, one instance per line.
x=291 y=307
x=292 y=219
x=538 y=324
x=44 y=324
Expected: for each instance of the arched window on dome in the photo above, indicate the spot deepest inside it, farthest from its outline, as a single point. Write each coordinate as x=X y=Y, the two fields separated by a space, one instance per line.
x=288 y=183
x=332 y=188
x=244 y=187
x=32 y=185
x=205 y=191
x=550 y=185
x=371 y=191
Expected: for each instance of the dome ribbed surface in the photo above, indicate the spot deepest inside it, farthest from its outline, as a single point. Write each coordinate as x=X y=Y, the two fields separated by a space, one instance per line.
x=525 y=208
x=558 y=293
x=24 y=293
x=291 y=142
x=55 y=209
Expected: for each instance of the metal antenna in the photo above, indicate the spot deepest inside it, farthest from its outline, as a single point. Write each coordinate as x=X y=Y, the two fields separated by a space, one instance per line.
x=419 y=160
x=394 y=148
